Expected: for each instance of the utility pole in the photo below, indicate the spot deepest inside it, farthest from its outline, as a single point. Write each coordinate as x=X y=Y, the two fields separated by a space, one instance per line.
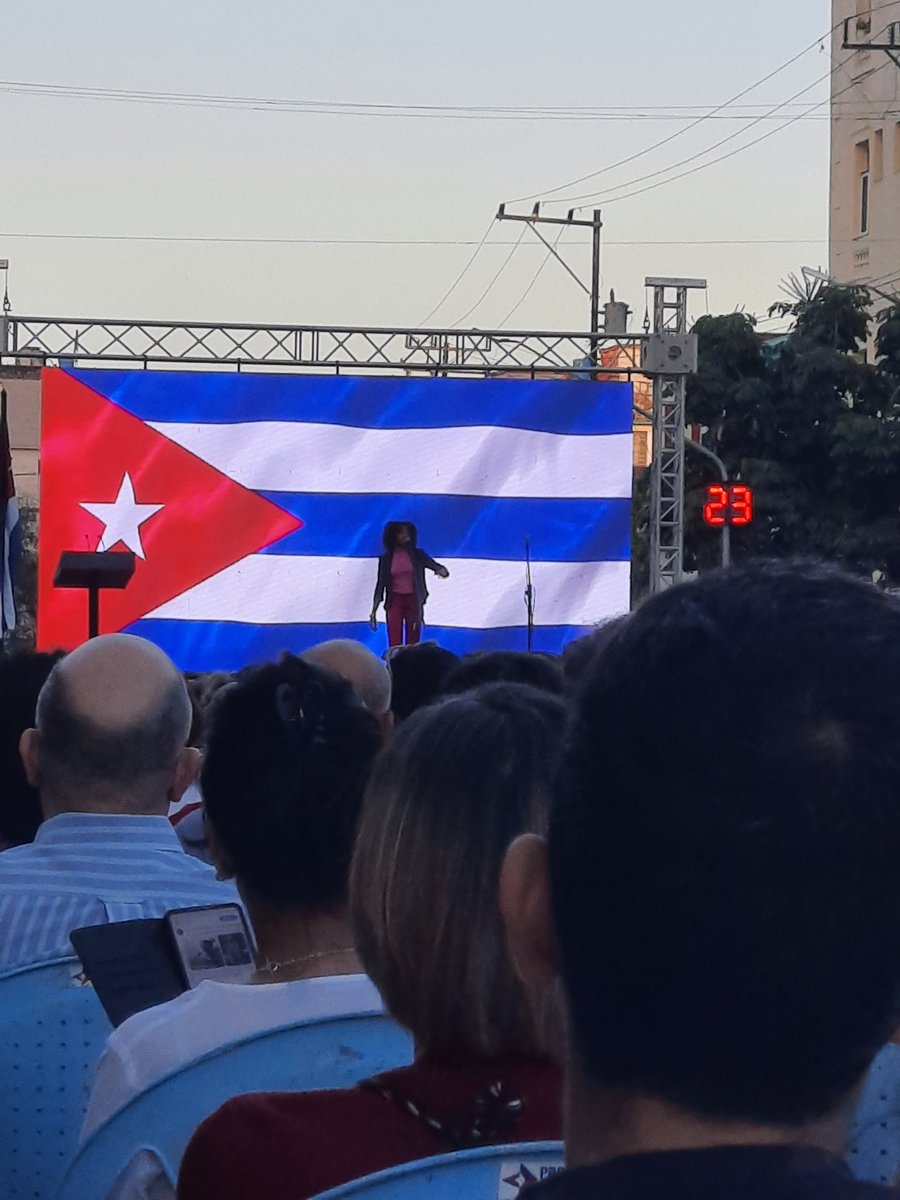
x=6 y=307
x=595 y=224
x=888 y=42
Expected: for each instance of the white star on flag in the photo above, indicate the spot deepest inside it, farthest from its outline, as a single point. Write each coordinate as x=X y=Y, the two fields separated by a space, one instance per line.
x=123 y=518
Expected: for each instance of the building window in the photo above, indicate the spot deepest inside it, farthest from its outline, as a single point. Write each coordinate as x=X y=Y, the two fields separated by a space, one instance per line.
x=641 y=448
x=863 y=166
x=878 y=156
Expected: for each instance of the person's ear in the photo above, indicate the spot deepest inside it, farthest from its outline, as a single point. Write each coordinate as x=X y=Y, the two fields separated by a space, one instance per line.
x=221 y=859
x=525 y=905
x=29 y=752
x=185 y=773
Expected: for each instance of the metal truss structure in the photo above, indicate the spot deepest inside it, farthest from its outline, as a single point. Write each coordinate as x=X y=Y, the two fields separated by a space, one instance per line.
x=34 y=341
x=313 y=348
x=670 y=316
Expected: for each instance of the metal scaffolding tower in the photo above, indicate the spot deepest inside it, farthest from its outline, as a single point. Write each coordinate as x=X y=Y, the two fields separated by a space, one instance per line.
x=670 y=317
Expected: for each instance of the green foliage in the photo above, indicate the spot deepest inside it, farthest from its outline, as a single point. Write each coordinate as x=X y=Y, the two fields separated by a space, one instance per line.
x=887 y=341
x=810 y=425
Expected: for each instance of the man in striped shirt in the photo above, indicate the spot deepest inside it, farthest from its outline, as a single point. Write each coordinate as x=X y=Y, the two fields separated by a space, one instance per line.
x=108 y=756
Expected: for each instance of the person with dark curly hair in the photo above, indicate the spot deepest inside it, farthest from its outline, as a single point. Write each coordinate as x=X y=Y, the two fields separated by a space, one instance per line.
x=401 y=583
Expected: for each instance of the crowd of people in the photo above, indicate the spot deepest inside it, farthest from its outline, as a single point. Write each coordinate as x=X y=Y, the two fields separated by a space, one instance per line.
x=642 y=898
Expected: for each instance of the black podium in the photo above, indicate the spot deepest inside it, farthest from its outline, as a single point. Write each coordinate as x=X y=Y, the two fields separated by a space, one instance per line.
x=94 y=571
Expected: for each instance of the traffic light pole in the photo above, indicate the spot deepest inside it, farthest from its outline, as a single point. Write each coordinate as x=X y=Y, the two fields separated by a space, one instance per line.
x=723 y=476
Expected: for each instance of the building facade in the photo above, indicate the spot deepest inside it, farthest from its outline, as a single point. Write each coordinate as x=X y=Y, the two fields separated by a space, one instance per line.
x=864 y=234
x=22 y=381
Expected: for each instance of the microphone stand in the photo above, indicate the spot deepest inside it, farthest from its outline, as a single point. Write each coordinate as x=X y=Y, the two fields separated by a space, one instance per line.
x=529 y=595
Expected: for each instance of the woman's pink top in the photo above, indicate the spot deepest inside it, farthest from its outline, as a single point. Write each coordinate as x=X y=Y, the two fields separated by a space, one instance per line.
x=402 y=583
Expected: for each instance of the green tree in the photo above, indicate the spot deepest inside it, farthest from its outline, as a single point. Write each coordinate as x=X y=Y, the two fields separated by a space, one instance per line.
x=811 y=426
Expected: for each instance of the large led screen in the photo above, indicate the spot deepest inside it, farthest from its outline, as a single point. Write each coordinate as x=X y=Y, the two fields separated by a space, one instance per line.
x=255 y=506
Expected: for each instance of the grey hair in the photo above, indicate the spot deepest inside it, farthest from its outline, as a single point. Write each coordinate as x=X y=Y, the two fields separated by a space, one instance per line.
x=80 y=758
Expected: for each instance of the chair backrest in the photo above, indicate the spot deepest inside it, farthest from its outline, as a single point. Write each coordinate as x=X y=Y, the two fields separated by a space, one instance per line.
x=52 y=1032
x=486 y=1173
x=873 y=1152
x=306 y=1056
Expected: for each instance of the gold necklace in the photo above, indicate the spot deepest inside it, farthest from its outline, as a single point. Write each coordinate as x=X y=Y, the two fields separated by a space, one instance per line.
x=271 y=967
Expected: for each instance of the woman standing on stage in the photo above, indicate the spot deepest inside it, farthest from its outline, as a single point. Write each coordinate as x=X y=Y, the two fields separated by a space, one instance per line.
x=401 y=583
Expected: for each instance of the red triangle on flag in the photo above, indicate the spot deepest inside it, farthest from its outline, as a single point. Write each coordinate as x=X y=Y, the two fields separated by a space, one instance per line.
x=204 y=523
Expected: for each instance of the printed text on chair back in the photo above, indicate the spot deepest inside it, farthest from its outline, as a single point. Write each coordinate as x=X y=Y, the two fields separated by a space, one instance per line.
x=486 y=1173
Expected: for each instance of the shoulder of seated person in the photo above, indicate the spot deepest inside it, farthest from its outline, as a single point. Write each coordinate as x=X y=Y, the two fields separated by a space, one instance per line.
x=264 y=1110
x=149 y=1019
x=262 y=1116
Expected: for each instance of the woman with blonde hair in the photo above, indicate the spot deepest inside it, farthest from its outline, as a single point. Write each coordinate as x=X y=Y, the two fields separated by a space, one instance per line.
x=454 y=787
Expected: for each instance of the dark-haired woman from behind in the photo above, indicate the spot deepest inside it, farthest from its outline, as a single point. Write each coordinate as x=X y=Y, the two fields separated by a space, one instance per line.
x=457 y=783
x=288 y=752
x=401 y=583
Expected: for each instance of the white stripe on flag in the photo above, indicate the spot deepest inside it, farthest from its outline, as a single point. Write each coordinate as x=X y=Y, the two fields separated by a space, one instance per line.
x=272 y=589
x=294 y=456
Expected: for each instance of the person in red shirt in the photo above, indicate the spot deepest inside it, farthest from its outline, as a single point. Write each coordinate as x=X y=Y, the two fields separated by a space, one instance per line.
x=401 y=583
x=454 y=786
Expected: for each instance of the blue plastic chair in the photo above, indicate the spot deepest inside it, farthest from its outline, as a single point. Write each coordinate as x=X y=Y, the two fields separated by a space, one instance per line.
x=873 y=1152
x=320 y=1053
x=486 y=1173
x=52 y=1032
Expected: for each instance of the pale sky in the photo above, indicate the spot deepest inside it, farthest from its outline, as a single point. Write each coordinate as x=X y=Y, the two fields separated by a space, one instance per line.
x=103 y=167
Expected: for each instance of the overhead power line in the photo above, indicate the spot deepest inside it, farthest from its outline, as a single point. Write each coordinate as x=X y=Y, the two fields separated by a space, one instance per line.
x=710 y=114
x=494 y=279
x=709 y=149
x=612 y=199
x=623 y=162
x=544 y=261
x=460 y=276
x=636 y=112
x=465 y=242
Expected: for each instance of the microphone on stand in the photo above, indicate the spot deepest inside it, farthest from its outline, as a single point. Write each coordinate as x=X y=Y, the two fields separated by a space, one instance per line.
x=529 y=595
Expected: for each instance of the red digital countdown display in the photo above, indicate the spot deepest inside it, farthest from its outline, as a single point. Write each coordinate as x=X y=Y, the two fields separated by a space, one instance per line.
x=728 y=504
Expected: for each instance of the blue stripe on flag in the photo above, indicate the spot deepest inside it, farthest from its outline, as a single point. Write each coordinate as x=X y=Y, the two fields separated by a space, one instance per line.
x=546 y=405
x=460 y=526
x=227 y=645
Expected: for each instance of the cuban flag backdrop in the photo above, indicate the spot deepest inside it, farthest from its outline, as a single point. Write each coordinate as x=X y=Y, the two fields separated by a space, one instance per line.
x=255 y=505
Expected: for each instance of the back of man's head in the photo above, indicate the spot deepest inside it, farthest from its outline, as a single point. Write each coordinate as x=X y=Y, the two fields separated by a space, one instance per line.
x=417 y=674
x=367 y=674
x=725 y=846
x=112 y=722
x=504 y=666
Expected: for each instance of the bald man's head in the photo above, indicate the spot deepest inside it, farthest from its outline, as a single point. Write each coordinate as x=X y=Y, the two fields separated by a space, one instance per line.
x=366 y=674
x=112 y=722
